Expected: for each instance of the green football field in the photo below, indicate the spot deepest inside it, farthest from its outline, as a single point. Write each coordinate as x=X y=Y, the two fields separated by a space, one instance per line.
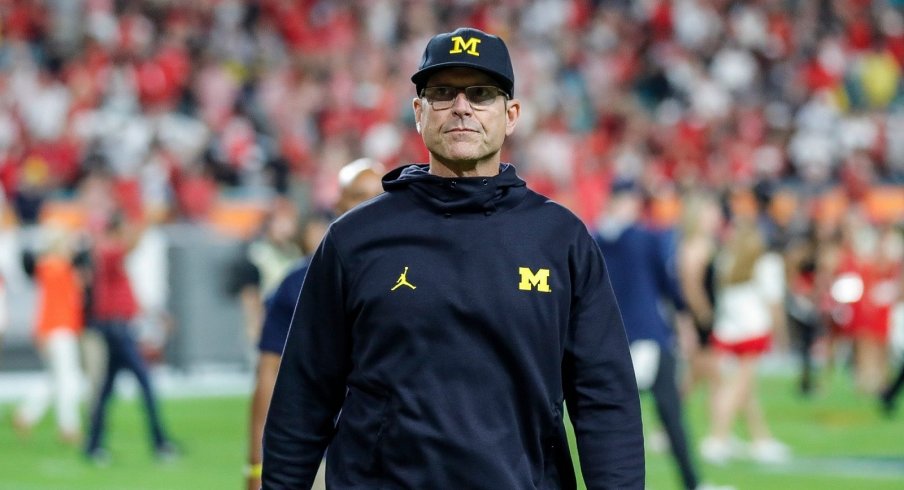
x=839 y=438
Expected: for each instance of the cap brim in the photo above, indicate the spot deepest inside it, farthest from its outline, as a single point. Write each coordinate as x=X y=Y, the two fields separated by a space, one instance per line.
x=420 y=77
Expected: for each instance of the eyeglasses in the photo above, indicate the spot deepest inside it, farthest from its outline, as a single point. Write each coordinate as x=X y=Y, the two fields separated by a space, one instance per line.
x=479 y=96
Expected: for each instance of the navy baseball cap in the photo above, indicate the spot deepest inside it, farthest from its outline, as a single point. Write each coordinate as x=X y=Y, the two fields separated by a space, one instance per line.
x=470 y=48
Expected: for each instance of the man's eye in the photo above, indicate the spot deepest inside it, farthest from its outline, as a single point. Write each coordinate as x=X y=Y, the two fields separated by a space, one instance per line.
x=478 y=94
x=443 y=93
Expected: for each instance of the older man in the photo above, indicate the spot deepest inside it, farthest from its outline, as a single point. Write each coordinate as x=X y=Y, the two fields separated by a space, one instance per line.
x=444 y=325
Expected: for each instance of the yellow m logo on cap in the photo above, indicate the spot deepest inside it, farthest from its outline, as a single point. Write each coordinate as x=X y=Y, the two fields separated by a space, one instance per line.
x=459 y=45
x=530 y=280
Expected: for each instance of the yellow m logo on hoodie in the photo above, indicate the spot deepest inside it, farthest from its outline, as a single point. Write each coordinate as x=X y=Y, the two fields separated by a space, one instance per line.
x=531 y=280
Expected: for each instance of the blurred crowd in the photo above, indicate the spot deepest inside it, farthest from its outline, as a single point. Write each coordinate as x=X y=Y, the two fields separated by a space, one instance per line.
x=784 y=113
x=183 y=102
x=172 y=106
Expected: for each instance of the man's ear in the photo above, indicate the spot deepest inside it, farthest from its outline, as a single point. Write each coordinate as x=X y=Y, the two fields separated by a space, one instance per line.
x=512 y=113
x=417 y=108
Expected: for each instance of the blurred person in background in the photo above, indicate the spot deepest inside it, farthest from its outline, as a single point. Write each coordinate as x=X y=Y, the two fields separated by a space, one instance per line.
x=638 y=271
x=268 y=259
x=358 y=182
x=839 y=291
x=313 y=227
x=149 y=276
x=93 y=346
x=865 y=288
x=277 y=250
x=804 y=301
x=95 y=196
x=115 y=308
x=748 y=305
x=4 y=310
x=888 y=396
x=447 y=321
x=58 y=325
x=700 y=226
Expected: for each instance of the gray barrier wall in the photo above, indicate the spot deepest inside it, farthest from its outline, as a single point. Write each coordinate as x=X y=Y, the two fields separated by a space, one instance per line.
x=207 y=327
x=208 y=321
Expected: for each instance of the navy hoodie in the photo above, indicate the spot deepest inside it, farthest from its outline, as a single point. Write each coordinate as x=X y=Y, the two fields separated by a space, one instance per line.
x=439 y=329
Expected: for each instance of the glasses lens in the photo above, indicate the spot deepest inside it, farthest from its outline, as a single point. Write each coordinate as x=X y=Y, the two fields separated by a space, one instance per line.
x=478 y=95
x=440 y=94
x=481 y=94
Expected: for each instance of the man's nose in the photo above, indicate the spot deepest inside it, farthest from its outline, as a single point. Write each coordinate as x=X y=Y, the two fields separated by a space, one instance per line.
x=461 y=104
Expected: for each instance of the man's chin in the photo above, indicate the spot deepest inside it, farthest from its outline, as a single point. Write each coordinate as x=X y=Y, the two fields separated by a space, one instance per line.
x=463 y=152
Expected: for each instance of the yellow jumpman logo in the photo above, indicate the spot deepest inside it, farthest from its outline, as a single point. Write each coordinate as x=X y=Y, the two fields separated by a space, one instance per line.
x=403 y=281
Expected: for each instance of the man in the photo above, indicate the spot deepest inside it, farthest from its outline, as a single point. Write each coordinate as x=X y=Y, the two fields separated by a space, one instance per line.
x=450 y=317
x=358 y=182
x=638 y=268
x=114 y=309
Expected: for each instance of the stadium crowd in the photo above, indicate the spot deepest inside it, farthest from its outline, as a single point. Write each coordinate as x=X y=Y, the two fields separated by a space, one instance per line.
x=185 y=101
x=789 y=111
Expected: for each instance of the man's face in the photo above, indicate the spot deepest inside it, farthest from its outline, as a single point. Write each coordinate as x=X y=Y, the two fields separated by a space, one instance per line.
x=364 y=186
x=465 y=135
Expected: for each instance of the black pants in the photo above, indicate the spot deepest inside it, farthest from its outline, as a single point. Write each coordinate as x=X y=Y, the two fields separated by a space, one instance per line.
x=123 y=353
x=893 y=389
x=807 y=329
x=668 y=406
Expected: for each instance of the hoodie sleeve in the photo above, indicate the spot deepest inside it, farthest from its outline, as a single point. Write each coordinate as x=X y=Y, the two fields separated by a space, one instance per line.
x=598 y=379
x=310 y=387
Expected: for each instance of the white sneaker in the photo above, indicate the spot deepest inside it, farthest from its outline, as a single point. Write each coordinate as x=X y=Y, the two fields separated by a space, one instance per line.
x=716 y=451
x=710 y=486
x=658 y=441
x=770 y=451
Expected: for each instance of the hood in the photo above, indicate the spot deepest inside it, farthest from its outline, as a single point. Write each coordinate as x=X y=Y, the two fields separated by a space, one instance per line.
x=458 y=195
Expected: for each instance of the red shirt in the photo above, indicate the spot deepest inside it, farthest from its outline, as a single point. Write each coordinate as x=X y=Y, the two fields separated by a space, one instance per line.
x=113 y=296
x=870 y=313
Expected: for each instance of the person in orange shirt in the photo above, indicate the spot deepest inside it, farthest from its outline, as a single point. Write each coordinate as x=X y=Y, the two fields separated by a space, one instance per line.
x=59 y=323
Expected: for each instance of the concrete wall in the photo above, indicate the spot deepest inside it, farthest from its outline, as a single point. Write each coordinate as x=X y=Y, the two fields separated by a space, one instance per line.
x=181 y=269
x=209 y=326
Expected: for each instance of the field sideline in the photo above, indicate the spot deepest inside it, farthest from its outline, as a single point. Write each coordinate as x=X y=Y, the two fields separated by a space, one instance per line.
x=839 y=438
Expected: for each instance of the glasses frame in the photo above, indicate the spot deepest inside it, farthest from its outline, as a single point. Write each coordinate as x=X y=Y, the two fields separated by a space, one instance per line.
x=458 y=90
